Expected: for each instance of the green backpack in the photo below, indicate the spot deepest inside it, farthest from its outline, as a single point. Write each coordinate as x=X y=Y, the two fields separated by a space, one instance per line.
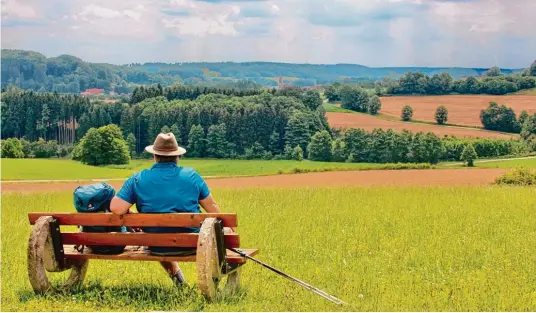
x=96 y=198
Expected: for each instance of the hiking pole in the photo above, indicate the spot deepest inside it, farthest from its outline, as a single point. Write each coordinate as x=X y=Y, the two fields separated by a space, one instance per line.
x=305 y=285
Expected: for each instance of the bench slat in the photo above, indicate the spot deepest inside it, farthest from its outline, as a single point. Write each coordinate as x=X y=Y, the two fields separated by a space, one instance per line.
x=186 y=240
x=141 y=255
x=136 y=220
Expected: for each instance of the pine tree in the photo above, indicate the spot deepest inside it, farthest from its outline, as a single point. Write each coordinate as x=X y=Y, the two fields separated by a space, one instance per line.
x=131 y=142
x=217 y=145
x=175 y=130
x=196 y=141
x=275 y=146
x=164 y=129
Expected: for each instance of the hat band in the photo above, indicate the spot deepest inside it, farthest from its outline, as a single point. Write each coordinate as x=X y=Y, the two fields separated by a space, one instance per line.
x=165 y=150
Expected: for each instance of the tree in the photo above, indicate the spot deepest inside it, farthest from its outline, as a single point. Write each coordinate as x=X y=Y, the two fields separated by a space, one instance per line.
x=131 y=142
x=528 y=131
x=287 y=152
x=175 y=130
x=493 y=72
x=332 y=92
x=164 y=129
x=469 y=155
x=217 y=144
x=319 y=148
x=12 y=148
x=532 y=69
x=196 y=141
x=499 y=118
x=441 y=115
x=312 y=99
x=297 y=153
x=338 y=151
x=407 y=113
x=297 y=130
x=524 y=116
x=374 y=105
x=354 y=98
x=274 y=143
x=104 y=145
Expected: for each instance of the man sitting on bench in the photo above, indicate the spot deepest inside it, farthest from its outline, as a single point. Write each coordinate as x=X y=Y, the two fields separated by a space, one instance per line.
x=166 y=188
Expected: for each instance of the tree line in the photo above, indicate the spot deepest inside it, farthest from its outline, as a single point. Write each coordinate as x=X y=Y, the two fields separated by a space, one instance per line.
x=31 y=70
x=493 y=82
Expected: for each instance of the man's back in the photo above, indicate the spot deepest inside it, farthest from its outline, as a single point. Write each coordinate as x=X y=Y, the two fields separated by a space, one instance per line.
x=165 y=188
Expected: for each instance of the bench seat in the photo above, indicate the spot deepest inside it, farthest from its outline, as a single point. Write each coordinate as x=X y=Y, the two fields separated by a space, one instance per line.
x=132 y=253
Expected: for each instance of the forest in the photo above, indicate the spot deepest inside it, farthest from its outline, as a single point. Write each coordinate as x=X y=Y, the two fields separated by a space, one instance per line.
x=289 y=123
x=68 y=74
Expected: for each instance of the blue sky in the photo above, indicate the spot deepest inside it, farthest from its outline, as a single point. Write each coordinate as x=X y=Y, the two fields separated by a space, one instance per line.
x=468 y=33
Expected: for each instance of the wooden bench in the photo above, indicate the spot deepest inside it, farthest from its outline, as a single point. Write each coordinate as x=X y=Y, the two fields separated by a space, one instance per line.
x=51 y=250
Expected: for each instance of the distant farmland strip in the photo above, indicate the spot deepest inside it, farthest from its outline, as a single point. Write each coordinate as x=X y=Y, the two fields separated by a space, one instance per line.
x=463 y=109
x=368 y=122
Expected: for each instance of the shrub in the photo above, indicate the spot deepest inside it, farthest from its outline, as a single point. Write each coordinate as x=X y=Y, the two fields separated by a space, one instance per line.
x=441 y=115
x=469 y=155
x=519 y=177
x=12 y=148
x=407 y=113
x=297 y=153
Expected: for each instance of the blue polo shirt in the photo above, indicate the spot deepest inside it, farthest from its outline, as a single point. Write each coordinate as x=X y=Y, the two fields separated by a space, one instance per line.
x=165 y=188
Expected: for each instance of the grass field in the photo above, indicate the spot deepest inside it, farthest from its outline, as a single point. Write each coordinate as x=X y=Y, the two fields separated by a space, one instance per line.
x=379 y=249
x=330 y=107
x=527 y=92
x=530 y=163
x=40 y=169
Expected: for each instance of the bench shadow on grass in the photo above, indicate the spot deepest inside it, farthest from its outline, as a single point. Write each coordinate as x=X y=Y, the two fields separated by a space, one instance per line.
x=138 y=298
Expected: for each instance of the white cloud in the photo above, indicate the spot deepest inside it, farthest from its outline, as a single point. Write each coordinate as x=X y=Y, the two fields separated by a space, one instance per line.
x=371 y=32
x=18 y=9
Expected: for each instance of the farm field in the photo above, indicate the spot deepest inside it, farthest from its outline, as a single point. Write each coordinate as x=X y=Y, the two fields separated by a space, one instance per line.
x=463 y=109
x=529 y=163
x=424 y=177
x=369 y=122
x=57 y=169
x=420 y=249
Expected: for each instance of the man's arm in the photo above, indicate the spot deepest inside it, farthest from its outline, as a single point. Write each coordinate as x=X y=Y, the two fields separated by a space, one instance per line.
x=210 y=205
x=125 y=198
x=119 y=206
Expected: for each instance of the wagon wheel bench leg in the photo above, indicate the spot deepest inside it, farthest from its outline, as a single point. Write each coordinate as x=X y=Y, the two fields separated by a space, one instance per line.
x=42 y=258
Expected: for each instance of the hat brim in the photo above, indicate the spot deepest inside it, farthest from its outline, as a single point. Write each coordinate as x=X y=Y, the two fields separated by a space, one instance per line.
x=178 y=152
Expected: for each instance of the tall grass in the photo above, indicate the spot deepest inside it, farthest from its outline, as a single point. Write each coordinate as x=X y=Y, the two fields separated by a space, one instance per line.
x=380 y=249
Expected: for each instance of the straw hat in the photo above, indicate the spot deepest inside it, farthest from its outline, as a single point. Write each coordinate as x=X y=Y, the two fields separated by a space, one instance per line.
x=165 y=145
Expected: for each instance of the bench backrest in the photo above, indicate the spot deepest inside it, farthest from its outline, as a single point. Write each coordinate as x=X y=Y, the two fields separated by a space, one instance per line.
x=187 y=240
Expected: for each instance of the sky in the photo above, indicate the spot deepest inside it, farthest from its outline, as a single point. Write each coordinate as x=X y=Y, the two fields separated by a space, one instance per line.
x=378 y=33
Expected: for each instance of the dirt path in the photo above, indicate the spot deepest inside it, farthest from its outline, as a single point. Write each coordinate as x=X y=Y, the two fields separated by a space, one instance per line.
x=435 y=177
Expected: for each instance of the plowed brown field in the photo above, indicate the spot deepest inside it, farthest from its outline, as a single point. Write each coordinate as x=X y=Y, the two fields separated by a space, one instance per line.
x=369 y=122
x=463 y=110
x=434 y=177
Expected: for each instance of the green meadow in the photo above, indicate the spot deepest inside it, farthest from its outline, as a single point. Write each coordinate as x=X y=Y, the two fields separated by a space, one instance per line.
x=379 y=249
x=529 y=163
x=45 y=169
